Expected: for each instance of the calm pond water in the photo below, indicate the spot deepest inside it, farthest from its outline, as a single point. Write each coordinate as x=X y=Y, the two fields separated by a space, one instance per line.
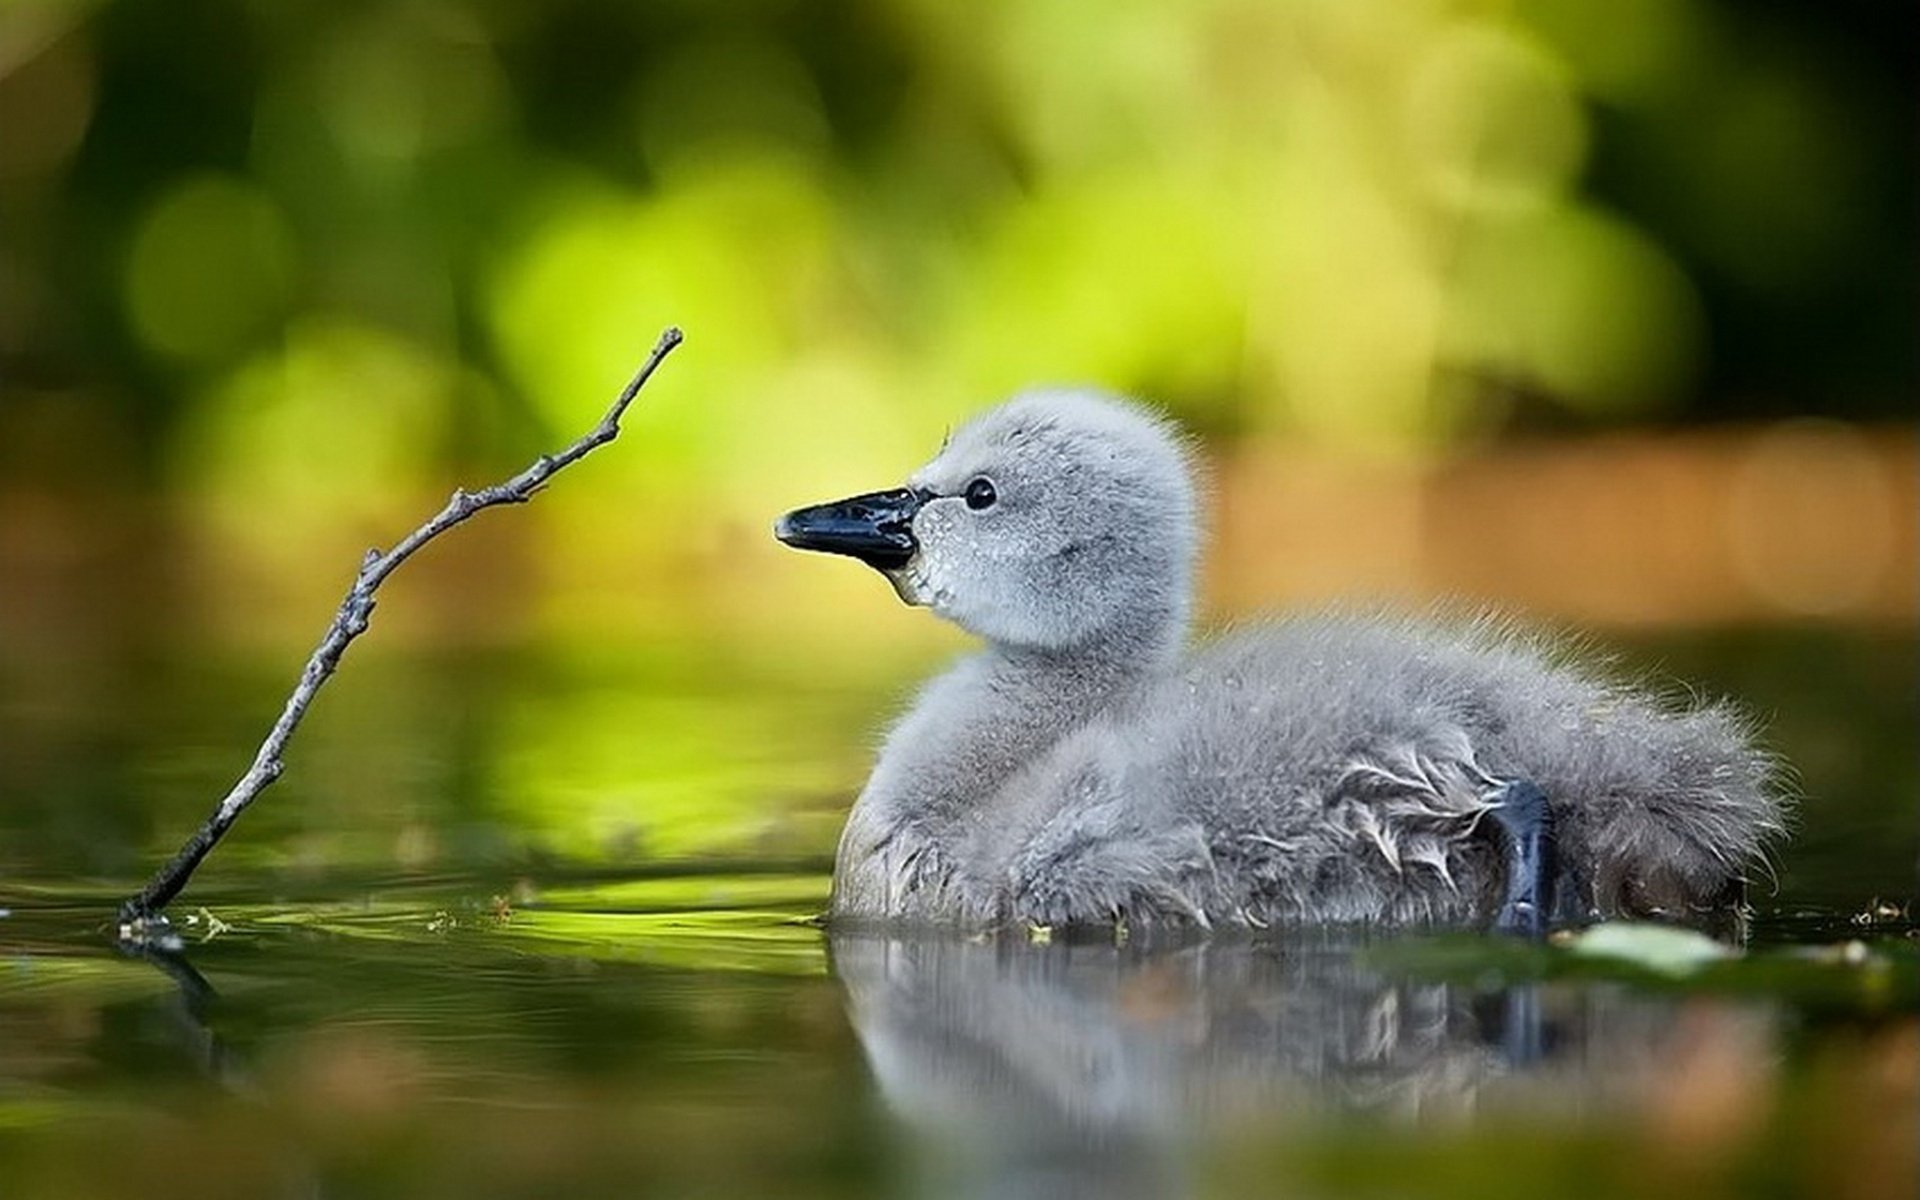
x=531 y=927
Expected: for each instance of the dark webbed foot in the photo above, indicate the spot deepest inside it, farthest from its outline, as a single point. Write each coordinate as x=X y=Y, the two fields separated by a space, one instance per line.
x=1573 y=902
x=1527 y=825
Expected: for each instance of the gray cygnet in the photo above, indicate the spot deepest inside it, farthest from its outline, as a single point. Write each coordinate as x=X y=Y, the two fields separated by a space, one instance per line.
x=1086 y=768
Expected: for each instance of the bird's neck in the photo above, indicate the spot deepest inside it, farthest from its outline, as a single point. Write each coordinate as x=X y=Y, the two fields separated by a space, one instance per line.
x=971 y=730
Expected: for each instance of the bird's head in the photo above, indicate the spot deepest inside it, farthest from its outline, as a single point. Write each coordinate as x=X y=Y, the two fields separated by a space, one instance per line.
x=1057 y=520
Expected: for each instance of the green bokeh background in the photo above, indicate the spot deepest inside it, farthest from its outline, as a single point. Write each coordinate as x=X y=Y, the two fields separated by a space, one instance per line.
x=276 y=274
x=307 y=234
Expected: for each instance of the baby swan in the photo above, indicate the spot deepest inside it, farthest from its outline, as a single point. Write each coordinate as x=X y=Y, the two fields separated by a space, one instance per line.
x=1084 y=768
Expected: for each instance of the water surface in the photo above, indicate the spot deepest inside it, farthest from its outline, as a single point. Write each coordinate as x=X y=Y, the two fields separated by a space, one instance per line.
x=513 y=928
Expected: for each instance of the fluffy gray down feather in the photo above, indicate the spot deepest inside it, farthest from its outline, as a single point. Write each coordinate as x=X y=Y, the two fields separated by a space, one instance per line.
x=1086 y=768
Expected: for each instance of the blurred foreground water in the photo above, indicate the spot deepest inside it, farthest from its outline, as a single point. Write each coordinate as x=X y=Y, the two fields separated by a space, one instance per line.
x=529 y=925
x=420 y=1044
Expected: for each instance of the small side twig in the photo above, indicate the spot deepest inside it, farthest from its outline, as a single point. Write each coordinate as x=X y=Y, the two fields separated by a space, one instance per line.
x=350 y=622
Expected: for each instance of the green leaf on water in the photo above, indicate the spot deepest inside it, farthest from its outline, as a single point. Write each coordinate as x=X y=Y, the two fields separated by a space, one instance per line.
x=1664 y=949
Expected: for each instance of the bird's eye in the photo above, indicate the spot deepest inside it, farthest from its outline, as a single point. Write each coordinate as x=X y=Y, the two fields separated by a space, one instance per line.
x=980 y=494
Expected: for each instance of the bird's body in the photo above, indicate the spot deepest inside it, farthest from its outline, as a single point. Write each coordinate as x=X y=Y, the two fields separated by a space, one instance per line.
x=1086 y=769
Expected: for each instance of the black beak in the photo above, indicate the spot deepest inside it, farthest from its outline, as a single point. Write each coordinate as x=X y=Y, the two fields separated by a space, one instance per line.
x=876 y=528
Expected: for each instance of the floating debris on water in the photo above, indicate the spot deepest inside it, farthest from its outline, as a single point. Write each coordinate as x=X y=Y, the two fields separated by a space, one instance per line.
x=1665 y=949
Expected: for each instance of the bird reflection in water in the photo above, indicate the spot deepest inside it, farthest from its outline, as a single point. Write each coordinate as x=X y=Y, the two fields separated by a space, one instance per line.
x=1102 y=1070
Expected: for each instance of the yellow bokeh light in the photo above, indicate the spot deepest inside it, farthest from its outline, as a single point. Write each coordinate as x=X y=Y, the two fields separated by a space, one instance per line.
x=1493 y=120
x=340 y=423
x=1577 y=302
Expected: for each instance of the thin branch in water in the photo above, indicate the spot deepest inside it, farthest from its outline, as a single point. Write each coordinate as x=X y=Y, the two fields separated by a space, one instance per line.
x=349 y=623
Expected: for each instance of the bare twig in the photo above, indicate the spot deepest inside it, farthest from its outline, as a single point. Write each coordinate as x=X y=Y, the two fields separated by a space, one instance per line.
x=350 y=622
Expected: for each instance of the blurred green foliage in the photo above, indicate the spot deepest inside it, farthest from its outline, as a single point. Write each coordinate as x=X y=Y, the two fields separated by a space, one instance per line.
x=291 y=267
x=277 y=253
